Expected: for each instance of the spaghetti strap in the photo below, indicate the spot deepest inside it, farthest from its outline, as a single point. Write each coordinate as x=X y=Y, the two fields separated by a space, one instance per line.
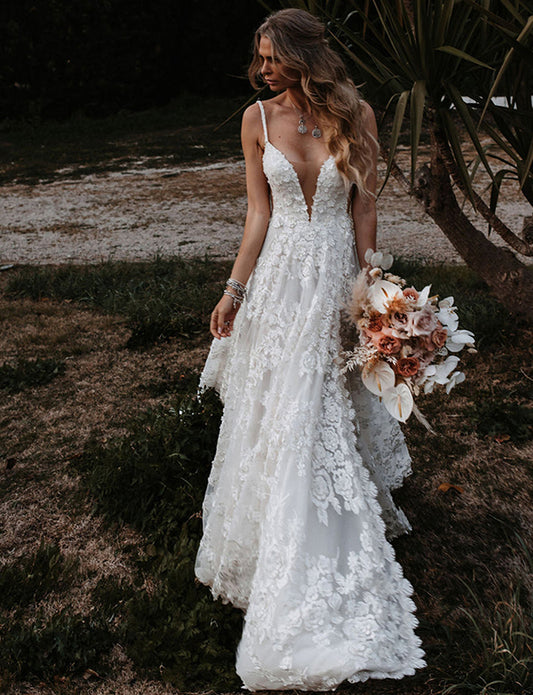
x=263 y=118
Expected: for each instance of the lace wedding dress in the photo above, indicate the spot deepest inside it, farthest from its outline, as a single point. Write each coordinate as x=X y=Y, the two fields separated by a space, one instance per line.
x=298 y=501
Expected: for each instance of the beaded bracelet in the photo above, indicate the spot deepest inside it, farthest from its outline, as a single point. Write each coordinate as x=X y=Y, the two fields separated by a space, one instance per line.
x=237 y=286
x=236 y=300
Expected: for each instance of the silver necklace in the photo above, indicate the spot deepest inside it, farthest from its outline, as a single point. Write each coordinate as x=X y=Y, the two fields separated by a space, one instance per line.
x=302 y=128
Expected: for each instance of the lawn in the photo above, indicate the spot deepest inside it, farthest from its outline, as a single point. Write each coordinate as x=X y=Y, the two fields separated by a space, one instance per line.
x=105 y=453
x=185 y=130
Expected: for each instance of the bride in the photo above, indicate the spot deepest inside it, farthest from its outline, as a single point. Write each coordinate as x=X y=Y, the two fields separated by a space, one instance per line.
x=298 y=512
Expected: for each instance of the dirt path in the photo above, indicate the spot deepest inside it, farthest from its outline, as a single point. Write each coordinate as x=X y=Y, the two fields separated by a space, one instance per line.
x=143 y=210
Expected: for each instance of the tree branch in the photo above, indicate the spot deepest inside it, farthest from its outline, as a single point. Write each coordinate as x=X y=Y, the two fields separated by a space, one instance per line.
x=480 y=206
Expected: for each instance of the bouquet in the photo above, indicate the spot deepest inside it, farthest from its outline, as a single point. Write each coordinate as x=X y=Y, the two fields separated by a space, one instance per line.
x=408 y=340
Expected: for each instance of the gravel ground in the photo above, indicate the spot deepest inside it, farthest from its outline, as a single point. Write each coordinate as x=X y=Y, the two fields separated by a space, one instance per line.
x=143 y=210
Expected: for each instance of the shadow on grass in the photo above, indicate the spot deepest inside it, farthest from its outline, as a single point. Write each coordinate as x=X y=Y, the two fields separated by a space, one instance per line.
x=159 y=299
x=154 y=479
x=180 y=132
x=468 y=566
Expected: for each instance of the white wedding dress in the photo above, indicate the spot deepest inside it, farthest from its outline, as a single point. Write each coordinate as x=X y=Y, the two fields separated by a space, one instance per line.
x=298 y=501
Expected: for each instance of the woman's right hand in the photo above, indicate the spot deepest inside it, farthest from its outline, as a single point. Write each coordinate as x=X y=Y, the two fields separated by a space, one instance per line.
x=222 y=317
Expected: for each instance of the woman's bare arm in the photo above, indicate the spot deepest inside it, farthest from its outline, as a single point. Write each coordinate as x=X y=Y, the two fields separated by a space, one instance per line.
x=364 y=207
x=257 y=219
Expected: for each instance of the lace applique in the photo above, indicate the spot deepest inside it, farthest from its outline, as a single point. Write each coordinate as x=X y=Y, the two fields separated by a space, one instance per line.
x=299 y=496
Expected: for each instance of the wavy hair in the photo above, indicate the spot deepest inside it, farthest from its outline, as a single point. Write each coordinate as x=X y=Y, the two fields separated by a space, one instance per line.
x=299 y=43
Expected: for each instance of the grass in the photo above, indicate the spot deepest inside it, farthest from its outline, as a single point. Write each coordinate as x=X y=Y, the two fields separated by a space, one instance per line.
x=160 y=299
x=83 y=145
x=63 y=645
x=31 y=578
x=501 y=637
x=33 y=643
x=153 y=478
x=141 y=473
x=26 y=373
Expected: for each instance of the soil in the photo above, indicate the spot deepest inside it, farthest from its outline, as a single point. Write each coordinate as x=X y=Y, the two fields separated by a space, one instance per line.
x=154 y=207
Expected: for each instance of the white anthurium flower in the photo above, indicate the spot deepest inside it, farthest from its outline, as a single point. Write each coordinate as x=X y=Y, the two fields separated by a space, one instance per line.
x=379 y=378
x=457 y=340
x=423 y=296
x=399 y=401
x=455 y=378
x=381 y=293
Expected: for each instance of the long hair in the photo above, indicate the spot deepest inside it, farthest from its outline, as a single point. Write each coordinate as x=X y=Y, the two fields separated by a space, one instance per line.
x=299 y=43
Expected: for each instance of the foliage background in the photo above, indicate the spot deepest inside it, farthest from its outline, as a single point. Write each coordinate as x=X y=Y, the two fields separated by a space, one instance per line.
x=97 y=57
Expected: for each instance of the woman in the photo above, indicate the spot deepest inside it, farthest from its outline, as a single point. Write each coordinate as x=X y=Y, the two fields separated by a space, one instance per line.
x=298 y=499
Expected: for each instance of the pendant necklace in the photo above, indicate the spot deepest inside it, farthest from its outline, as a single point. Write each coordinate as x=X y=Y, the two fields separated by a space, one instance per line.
x=302 y=128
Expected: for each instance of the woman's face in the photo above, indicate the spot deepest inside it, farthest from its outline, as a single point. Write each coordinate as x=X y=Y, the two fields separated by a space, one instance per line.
x=275 y=74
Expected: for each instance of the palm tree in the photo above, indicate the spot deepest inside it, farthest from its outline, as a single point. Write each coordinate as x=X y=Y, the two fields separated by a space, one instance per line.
x=424 y=57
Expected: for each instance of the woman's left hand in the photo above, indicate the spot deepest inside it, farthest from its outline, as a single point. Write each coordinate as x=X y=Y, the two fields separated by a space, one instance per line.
x=222 y=317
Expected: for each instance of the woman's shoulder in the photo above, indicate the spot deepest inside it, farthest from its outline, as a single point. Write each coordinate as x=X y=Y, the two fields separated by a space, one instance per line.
x=252 y=132
x=252 y=122
x=252 y=113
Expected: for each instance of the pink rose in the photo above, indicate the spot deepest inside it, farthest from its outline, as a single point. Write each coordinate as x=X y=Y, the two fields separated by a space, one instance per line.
x=398 y=321
x=407 y=366
x=386 y=343
x=439 y=335
x=422 y=322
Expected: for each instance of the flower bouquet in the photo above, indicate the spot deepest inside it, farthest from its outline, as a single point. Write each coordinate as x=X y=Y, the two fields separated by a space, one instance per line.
x=407 y=339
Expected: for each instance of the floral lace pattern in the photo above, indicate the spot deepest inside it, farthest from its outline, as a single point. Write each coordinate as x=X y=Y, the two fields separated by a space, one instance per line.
x=299 y=497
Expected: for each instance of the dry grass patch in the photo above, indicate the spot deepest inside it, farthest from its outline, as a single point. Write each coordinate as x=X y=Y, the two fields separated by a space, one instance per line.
x=116 y=407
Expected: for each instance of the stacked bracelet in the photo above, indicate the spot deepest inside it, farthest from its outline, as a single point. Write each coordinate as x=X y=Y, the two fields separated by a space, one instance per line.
x=236 y=300
x=237 y=286
x=238 y=293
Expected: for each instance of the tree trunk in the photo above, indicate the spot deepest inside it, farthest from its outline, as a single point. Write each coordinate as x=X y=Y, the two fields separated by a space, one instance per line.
x=509 y=279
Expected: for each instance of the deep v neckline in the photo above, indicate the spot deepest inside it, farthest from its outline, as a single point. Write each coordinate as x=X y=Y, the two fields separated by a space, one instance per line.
x=308 y=210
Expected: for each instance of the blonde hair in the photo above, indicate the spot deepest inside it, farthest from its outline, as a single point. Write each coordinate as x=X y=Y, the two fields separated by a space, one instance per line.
x=299 y=43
